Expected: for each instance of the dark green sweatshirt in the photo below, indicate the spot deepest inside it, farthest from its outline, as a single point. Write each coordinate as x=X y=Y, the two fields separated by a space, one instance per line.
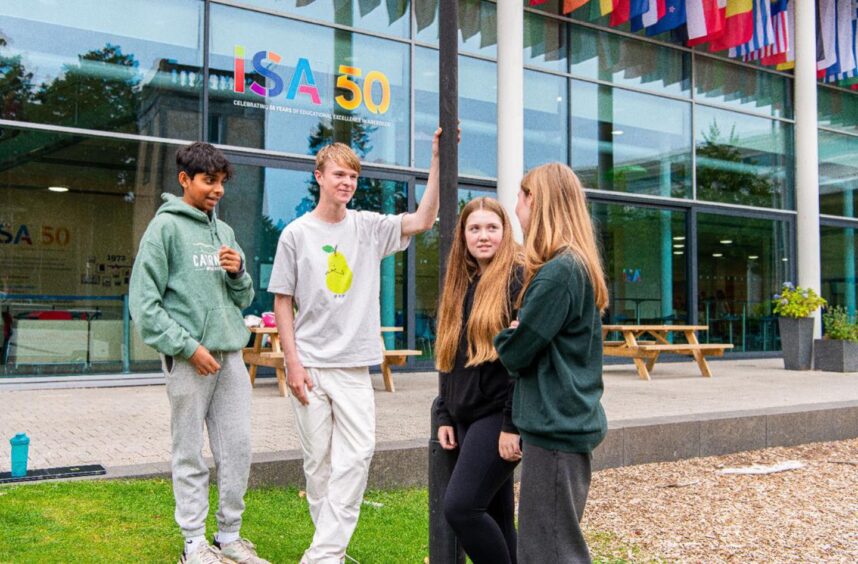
x=556 y=355
x=180 y=297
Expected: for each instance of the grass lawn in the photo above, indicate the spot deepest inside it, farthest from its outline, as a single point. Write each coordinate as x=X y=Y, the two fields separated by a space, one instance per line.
x=132 y=521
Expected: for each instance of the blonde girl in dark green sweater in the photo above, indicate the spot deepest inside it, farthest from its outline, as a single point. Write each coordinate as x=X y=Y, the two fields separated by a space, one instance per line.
x=554 y=350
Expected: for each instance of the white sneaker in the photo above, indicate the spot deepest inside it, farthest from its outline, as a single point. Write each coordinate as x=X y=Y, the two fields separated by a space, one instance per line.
x=241 y=551
x=205 y=554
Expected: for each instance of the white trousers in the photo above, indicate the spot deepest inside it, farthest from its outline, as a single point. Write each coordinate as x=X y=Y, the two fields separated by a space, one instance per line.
x=337 y=432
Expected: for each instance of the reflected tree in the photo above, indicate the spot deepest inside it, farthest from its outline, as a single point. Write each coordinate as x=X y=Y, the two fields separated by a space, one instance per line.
x=16 y=85
x=724 y=174
x=98 y=91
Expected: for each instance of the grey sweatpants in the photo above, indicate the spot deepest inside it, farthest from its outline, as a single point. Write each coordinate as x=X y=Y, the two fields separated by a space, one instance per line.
x=554 y=487
x=221 y=403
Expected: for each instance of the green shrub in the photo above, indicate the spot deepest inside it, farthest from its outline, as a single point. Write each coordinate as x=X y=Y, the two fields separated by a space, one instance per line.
x=795 y=301
x=837 y=325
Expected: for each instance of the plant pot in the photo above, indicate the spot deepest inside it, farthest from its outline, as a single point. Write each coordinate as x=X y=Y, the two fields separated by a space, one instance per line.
x=833 y=355
x=797 y=342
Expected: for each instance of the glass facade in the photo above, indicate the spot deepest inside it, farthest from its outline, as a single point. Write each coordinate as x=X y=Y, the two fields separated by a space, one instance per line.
x=680 y=151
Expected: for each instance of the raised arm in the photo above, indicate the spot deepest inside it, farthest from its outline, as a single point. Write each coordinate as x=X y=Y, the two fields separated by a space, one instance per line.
x=424 y=218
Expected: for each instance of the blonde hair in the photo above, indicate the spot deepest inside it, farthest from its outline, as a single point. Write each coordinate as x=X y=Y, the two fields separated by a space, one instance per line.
x=491 y=310
x=340 y=153
x=559 y=221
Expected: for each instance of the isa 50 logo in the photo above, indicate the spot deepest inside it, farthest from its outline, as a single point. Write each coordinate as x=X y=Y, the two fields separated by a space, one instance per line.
x=304 y=82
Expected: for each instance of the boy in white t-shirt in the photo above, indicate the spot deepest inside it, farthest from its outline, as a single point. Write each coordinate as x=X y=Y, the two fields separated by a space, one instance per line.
x=328 y=266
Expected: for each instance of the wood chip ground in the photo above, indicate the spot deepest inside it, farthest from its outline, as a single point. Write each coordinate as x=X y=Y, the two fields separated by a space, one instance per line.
x=686 y=511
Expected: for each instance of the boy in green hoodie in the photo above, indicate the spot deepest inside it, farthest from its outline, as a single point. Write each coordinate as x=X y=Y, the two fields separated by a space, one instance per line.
x=188 y=288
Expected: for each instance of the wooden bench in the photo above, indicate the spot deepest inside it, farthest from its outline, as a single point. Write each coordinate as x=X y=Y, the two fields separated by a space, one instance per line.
x=645 y=353
x=395 y=357
x=272 y=356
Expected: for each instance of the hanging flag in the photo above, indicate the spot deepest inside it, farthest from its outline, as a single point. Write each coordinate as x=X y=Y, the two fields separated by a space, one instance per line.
x=674 y=17
x=826 y=34
x=784 y=60
x=654 y=12
x=704 y=18
x=845 y=44
x=738 y=25
x=572 y=5
x=600 y=8
x=621 y=12
x=764 y=33
x=536 y=2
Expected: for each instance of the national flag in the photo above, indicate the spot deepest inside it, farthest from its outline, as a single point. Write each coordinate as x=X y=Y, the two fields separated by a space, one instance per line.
x=674 y=17
x=826 y=34
x=785 y=59
x=702 y=18
x=572 y=5
x=621 y=13
x=738 y=25
x=600 y=8
x=705 y=19
x=654 y=12
x=764 y=33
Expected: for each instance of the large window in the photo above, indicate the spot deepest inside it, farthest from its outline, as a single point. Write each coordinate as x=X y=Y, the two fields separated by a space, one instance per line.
x=837 y=247
x=630 y=142
x=742 y=262
x=391 y=18
x=72 y=211
x=838 y=173
x=477 y=108
x=743 y=159
x=290 y=86
x=126 y=66
x=742 y=87
x=645 y=258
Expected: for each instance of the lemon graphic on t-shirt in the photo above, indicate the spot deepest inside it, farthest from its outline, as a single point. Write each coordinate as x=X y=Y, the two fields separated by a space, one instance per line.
x=338 y=278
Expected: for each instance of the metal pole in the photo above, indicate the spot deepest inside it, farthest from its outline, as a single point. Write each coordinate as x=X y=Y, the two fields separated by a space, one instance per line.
x=510 y=67
x=443 y=547
x=807 y=152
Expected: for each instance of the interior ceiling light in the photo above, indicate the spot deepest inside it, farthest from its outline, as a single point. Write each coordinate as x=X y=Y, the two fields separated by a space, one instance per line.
x=617 y=132
x=717 y=255
x=753 y=257
x=679 y=252
x=679 y=238
x=726 y=241
x=58 y=189
x=679 y=246
x=785 y=259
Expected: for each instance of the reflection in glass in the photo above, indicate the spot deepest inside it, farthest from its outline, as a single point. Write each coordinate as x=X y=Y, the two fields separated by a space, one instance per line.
x=645 y=260
x=838 y=174
x=837 y=109
x=742 y=87
x=630 y=142
x=743 y=159
x=72 y=211
x=123 y=66
x=261 y=201
x=599 y=55
x=292 y=86
x=477 y=108
x=477 y=25
x=426 y=276
x=742 y=262
x=838 y=266
x=546 y=135
x=383 y=17
x=545 y=42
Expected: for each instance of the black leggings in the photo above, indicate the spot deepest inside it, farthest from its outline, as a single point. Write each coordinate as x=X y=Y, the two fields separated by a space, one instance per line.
x=479 y=502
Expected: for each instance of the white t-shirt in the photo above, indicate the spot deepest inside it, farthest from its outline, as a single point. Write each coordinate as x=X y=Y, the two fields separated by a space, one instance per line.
x=333 y=271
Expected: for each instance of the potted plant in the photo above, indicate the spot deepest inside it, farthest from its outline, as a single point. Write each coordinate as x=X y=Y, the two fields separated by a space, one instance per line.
x=793 y=306
x=837 y=351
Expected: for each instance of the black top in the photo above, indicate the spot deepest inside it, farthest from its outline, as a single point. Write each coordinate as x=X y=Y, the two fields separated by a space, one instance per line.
x=473 y=392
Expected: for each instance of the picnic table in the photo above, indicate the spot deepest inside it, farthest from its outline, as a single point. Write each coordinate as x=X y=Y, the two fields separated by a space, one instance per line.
x=272 y=356
x=657 y=340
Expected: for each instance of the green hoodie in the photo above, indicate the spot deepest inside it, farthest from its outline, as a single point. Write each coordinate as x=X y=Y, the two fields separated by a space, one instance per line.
x=180 y=297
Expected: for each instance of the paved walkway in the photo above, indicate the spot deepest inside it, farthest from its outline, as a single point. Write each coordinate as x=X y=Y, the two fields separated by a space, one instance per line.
x=130 y=425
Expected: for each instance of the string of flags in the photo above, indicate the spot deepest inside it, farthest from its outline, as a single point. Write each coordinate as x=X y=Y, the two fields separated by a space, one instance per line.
x=750 y=30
